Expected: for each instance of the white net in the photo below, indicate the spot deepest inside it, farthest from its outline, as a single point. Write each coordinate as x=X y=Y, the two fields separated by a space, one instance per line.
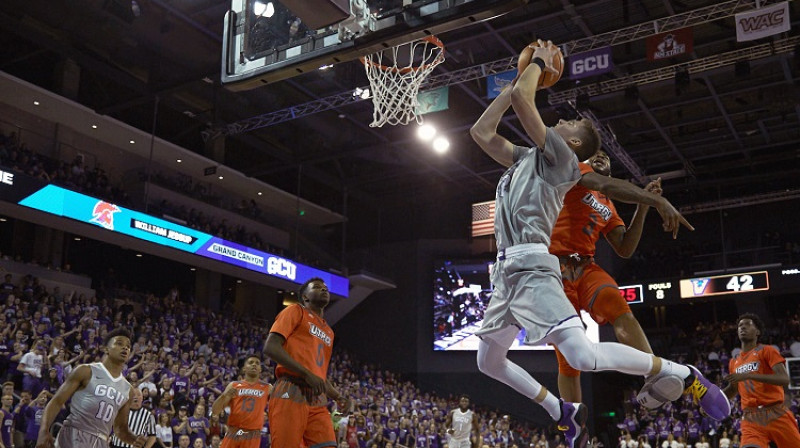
x=395 y=75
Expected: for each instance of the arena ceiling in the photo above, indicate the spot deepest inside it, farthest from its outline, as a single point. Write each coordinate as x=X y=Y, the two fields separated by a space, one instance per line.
x=725 y=133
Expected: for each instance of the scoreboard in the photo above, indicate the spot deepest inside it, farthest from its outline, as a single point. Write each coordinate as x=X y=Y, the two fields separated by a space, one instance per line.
x=775 y=280
x=724 y=284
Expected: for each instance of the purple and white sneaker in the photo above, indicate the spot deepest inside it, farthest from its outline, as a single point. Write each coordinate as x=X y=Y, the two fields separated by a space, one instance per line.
x=711 y=399
x=573 y=424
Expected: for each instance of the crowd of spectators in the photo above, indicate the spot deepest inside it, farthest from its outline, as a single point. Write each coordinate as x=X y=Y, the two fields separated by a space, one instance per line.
x=184 y=356
x=708 y=346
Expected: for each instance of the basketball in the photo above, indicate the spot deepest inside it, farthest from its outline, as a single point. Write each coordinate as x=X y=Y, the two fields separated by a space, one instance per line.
x=548 y=78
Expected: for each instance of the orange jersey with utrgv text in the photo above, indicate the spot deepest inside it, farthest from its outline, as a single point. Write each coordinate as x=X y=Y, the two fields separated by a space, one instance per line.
x=309 y=340
x=585 y=215
x=758 y=360
x=248 y=405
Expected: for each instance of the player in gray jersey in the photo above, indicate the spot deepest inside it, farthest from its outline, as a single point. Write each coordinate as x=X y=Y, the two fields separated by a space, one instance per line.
x=460 y=424
x=99 y=394
x=528 y=290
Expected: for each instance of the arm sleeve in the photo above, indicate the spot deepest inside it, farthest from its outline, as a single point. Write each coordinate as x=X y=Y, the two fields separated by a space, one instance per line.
x=287 y=321
x=771 y=356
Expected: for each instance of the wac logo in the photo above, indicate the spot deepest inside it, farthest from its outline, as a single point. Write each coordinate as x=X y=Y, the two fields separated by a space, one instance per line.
x=767 y=20
x=103 y=214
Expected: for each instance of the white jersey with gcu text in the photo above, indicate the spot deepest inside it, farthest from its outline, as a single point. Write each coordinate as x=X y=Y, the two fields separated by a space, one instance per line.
x=462 y=424
x=93 y=410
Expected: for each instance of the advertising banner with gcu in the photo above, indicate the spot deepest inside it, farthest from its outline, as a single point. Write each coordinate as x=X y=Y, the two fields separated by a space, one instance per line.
x=591 y=63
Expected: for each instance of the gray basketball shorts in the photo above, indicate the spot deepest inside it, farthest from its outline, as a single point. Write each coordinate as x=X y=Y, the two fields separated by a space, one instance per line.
x=458 y=443
x=69 y=437
x=528 y=293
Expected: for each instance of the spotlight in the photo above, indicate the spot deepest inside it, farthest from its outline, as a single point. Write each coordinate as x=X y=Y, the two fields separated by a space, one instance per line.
x=426 y=132
x=260 y=9
x=441 y=145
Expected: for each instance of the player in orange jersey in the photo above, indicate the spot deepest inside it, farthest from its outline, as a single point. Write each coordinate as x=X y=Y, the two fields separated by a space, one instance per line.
x=248 y=401
x=759 y=375
x=300 y=341
x=589 y=213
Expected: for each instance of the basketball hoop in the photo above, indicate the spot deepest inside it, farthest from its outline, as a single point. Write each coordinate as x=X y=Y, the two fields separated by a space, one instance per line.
x=395 y=75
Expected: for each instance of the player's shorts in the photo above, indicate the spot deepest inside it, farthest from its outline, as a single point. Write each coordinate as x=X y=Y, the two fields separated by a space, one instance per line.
x=528 y=294
x=458 y=443
x=584 y=292
x=759 y=428
x=69 y=437
x=240 y=438
x=293 y=422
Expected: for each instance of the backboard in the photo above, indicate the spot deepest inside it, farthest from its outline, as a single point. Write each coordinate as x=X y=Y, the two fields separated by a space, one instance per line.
x=264 y=42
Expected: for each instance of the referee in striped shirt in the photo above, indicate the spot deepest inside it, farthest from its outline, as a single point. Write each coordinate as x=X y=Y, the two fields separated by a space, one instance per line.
x=140 y=421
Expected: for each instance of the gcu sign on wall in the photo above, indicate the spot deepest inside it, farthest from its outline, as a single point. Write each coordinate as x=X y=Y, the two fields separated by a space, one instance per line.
x=591 y=63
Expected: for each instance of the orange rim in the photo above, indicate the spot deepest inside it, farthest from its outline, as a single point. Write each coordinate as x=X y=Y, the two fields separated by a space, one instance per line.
x=430 y=39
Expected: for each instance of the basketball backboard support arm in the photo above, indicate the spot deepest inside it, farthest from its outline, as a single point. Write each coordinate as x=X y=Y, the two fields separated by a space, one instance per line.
x=402 y=25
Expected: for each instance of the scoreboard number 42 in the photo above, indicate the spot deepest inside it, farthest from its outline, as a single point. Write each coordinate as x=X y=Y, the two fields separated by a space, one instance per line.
x=740 y=283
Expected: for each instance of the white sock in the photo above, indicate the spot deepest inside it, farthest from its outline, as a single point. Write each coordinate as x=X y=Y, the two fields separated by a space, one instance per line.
x=669 y=367
x=552 y=406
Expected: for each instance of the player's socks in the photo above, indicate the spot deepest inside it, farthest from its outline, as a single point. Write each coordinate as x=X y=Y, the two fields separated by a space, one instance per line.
x=552 y=406
x=673 y=368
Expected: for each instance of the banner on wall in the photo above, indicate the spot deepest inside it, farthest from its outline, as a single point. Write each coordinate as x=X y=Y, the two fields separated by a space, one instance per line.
x=591 y=63
x=667 y=45
x=763 y=22
x=496 y=83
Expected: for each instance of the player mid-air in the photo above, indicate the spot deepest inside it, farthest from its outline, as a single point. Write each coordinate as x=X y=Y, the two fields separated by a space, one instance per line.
x=528 y=291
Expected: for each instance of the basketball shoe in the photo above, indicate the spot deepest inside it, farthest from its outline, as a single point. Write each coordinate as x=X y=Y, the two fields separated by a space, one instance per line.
x=573 y=424
x=669 y=387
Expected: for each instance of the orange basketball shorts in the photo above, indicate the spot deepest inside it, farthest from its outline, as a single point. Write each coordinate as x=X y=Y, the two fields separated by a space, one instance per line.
x=597 y=293
x=228 y=442
x=293 y=423
x=783 y=431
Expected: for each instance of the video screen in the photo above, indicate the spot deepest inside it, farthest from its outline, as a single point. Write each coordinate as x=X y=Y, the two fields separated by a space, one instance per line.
x=461 y=293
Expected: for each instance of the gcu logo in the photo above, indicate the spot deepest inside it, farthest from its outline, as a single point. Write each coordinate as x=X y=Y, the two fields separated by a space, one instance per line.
x=590 y=64
x=766 y=20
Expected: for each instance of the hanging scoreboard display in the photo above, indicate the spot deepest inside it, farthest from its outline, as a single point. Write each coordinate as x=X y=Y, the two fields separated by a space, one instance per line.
x=724 y=284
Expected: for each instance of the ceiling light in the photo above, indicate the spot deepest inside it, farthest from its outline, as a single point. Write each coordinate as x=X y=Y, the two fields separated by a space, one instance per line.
x=326 y=66
x=77 y=238
x=426 y=132
x=192 y=269
x=3 y=220
x=260 y=193
x=35 y=103
x=441 y=145
x=138 y=255
x=260 y=9
x=365 y=94
x=179 y=160
x=132 y=142
x=238 y=281
x=220 y=177
x=94 y=126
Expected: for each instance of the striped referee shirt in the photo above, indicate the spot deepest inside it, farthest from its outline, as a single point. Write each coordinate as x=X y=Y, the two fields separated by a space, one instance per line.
x=141 y=423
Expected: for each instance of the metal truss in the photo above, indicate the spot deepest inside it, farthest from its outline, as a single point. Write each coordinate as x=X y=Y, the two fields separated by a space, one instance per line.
x=697 y=66
x=778 y=196
x=695 y=17
x=612 y=145
x=675 y=22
